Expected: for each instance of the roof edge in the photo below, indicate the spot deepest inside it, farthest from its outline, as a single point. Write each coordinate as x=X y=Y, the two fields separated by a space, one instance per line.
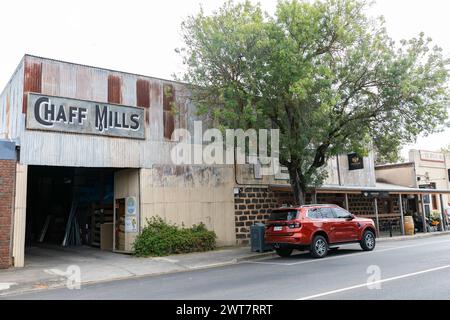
x=355 y=189
x=105 y=69
x=395 y=165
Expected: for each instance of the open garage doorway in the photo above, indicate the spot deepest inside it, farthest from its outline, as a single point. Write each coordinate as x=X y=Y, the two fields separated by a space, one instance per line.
x=69 y=207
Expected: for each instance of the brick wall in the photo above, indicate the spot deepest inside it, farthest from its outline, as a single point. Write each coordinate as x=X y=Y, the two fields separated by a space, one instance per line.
x=253 y=205
x=7 y=187
x=360 y=205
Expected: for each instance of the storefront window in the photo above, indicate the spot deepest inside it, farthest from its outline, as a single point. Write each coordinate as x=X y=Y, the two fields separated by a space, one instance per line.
x=434 y=201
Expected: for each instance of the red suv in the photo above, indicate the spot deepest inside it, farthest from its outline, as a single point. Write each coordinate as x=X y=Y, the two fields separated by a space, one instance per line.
x=317 y=228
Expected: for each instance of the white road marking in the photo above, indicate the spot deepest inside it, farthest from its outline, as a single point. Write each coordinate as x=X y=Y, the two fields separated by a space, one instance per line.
x=6 y=285
x=345 y=256
x=373 y=283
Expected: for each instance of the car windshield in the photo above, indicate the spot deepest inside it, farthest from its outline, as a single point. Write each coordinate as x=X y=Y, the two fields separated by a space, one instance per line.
x=283 y=215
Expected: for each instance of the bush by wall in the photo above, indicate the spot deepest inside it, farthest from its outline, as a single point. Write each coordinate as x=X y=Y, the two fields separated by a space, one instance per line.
x=160 y=238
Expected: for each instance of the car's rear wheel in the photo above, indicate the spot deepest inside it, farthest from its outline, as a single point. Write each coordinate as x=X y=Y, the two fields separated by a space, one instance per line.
x=284 y=252
x=368 y=241
x=319 y=247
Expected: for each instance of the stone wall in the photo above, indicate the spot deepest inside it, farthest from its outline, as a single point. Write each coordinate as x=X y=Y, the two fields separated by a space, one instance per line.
x=363 y=206
x=360 y=205
x=253 y=205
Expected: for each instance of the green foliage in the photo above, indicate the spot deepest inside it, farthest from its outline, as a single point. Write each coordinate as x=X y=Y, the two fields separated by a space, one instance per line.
x=323 y=72
x=435 y=215
x=160 y=238
x=446 y=150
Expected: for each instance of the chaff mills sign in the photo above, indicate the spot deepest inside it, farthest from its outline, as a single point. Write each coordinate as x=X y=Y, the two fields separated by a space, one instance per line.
x=88 y=117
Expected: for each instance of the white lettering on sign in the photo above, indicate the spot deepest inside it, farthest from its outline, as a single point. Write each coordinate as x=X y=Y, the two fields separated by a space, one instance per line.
x=79 y=116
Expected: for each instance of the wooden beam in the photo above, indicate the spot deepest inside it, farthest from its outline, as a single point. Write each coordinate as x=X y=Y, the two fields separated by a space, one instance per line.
x=375 y=206
x=402 y=221
x=346 y=202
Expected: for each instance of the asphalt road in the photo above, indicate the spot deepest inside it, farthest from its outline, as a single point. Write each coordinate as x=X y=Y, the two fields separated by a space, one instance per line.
x=413 y=269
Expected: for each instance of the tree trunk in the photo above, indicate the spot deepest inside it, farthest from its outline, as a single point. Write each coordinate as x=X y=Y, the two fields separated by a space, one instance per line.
x=298 y=188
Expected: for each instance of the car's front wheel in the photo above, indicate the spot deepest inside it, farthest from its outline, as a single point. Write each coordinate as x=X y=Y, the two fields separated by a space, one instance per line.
x=368 y=241
x=284 y=252
x=319 y=247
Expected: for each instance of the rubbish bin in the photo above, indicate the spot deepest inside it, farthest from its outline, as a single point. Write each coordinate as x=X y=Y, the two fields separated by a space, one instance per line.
x=257 y=238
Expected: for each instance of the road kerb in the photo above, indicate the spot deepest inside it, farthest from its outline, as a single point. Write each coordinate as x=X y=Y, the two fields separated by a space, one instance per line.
x=414 y=237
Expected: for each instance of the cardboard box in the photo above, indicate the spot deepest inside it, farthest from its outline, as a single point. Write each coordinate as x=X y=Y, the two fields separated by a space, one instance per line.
x=106 y=236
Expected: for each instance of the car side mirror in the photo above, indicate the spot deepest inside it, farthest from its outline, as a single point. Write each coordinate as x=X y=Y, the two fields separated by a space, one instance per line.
x=351 y=217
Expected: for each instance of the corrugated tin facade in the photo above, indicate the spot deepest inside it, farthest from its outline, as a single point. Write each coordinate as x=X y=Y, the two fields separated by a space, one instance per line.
x=49 y=77
x=12 y=118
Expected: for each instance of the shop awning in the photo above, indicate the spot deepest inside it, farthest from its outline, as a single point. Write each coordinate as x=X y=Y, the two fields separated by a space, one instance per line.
x=380 y=187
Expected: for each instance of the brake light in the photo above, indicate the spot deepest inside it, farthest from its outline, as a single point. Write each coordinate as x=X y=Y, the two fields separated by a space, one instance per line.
x=295 y=225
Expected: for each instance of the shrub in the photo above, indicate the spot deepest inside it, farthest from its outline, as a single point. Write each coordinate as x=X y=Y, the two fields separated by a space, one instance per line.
x=159 y=238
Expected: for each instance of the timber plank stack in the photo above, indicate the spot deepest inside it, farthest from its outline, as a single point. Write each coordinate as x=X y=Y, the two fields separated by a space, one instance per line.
x=99 y=214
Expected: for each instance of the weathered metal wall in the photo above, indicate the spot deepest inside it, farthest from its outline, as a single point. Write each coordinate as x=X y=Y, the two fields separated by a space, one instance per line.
x=337 y=174
x=157 y=97
x=189 y=195
x=358 y=178
x=11 y=115
x=56 y=78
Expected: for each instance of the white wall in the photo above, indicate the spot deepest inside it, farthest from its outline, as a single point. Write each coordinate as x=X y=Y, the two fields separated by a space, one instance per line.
x=189 y=195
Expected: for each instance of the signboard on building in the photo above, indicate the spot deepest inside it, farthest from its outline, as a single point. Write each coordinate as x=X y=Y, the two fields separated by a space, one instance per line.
x=59 y=114
x=355 y=162
x=131 y=205
x=131 y=219
x=431 y=185
x=431 y=156
x=131 y=225
x=376 y=194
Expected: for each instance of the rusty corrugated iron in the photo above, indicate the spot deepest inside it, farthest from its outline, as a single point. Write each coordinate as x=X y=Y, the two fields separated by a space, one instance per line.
x=64 y=79
x=168 y=104
x=169 y=97
x=114 y=89
x=143 y=96
x=32 y=80
x=169 y=124
x=156 y=122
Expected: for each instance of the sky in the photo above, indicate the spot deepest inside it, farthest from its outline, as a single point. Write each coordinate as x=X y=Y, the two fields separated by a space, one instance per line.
x=141 y=36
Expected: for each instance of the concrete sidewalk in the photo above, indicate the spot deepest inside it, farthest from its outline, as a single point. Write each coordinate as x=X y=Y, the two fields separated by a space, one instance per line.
x=46 y=266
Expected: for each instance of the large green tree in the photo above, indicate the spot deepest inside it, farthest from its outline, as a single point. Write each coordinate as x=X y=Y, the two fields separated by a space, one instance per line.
x=324 y=73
